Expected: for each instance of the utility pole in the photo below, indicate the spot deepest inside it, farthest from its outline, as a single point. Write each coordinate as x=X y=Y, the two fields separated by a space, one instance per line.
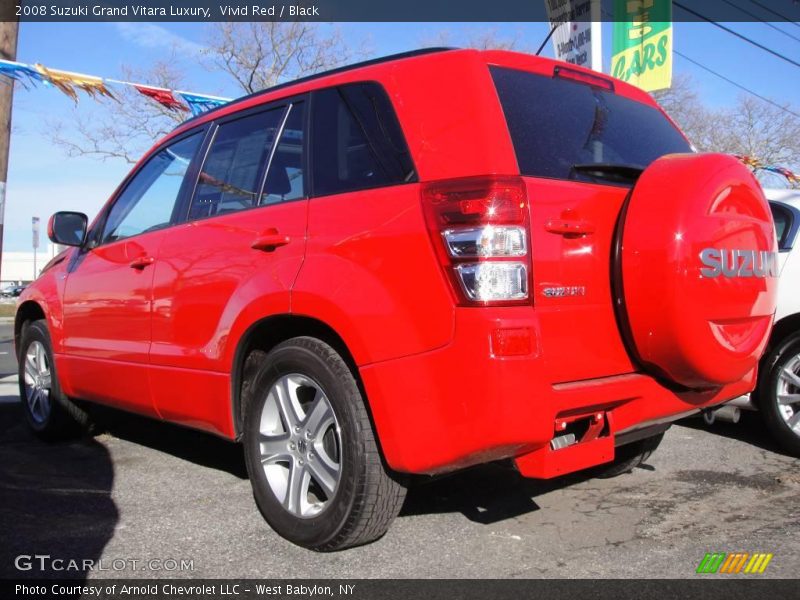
x=8 y=51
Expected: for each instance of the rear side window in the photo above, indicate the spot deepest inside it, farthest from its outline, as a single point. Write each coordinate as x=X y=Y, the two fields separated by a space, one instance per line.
x=230 y=179
x=558 y=123
x=358 y=143
x=783 y=224
x=285 y=175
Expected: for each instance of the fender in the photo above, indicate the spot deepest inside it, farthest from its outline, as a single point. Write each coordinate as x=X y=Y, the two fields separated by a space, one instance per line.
x=48 y=294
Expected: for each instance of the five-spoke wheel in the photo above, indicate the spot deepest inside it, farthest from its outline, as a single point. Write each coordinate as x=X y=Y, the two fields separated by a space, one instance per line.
x=778 y=393
x=317 y=474
x=37 y=381
x=300 y=444
x=49 y=413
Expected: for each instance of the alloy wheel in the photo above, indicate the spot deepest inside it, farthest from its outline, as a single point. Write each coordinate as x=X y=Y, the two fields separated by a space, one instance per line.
x=300 y=445
x=37 y=382
x=787 y=394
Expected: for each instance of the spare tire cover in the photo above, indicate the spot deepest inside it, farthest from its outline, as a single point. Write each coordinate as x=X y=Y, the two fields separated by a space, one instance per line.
x=698 y=263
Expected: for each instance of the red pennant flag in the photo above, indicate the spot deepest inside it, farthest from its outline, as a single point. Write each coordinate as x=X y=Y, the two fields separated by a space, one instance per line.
x=163 y=97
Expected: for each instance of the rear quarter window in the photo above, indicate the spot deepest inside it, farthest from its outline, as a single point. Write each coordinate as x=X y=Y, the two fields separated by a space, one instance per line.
x=557 y=123
x=358 y=143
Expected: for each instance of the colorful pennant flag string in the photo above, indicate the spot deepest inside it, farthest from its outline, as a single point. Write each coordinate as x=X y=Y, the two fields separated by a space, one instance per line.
x=163 y=96
x=96 y=87
x=19 y=72
x=67 y=82
x=758 y=165
x=199 y=104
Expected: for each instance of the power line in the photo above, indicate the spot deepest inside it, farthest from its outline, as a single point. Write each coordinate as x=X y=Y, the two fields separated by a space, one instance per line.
x=776 y=13
x=738 y=85
x=757 y=18
x=729 y=80
x=739 y=35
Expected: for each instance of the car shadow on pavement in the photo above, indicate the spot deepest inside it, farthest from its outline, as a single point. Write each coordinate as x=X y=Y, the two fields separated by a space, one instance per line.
x=55 y=501
x=485 y=494
x=191 y=445
x=750 y=429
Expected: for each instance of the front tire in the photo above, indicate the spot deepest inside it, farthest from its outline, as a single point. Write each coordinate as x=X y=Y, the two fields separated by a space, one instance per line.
x=49 y=413
x=311 y=454
x=779 y=394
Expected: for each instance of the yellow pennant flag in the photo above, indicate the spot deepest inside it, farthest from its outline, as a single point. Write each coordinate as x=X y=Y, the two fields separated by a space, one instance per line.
x=67 y=82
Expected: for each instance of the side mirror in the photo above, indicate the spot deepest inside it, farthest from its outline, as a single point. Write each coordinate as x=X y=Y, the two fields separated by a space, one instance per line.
x=67 y=228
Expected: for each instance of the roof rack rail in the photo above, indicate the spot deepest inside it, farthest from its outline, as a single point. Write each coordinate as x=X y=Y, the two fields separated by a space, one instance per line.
x=366 y=63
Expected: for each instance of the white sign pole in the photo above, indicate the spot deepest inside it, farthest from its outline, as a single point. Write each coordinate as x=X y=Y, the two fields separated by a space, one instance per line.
x=578 y=23
x=597 y=37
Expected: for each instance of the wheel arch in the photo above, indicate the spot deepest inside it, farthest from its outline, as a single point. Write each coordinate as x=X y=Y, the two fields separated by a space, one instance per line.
x=28 y=311
x=782 y=330
x=267 y=333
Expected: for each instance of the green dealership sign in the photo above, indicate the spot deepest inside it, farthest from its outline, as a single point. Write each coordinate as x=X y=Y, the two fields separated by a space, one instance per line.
x=642 y=45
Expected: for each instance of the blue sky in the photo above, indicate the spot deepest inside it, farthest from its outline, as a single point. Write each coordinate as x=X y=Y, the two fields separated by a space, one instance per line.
x=42 y=179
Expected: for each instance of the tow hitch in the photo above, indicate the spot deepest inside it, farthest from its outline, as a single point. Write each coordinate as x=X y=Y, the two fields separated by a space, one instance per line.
x=579 y=442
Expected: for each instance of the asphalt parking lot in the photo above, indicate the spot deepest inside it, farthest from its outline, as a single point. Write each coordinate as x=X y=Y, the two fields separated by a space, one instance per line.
x=144 y=490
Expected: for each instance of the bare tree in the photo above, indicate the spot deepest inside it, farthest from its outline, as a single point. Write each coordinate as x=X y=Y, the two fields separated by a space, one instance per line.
x=481 y=39
x=750 y=127
x=681 y=101
x=262 y=54
x=129 y=126
x=254 y=55
x=683 y=105
x=756 y=128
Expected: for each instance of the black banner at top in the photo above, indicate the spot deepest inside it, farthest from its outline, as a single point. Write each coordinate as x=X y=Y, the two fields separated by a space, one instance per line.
x=786 y=11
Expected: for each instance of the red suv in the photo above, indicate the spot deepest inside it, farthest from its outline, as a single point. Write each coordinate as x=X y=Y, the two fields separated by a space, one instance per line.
x=410 y=266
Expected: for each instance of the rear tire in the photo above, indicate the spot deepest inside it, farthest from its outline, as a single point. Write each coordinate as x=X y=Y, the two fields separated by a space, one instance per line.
x=628 y=457
x=49 y=413
x=780 y=382
x=314 y=463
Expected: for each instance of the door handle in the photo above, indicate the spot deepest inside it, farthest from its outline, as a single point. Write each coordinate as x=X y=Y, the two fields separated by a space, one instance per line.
x=269 y=240
x=569 y=228
x=141 y=262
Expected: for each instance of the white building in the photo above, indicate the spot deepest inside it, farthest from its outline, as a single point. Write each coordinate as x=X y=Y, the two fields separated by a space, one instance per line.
x=19 y=266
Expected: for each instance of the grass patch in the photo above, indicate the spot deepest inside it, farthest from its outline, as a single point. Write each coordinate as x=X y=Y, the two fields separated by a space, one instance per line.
x=8 y=310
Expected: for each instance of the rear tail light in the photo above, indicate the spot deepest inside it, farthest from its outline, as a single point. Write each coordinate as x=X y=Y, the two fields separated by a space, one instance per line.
x=479 y=227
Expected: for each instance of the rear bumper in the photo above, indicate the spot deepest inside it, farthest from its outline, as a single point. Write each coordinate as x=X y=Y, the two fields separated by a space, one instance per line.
x=459 y=405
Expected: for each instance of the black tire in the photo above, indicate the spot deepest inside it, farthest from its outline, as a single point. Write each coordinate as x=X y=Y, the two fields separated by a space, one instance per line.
x=367 y=498
x=767 y=394
x=53 y=417
x=628 y=457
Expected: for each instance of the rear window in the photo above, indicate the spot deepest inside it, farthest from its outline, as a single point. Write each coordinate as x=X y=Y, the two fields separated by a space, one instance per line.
x=558 y=123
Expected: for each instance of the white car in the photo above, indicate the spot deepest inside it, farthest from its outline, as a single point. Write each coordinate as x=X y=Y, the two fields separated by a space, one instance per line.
x=777 y=395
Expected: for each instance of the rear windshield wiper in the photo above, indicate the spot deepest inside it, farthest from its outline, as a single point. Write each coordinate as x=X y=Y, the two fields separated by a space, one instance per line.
x=610 y=171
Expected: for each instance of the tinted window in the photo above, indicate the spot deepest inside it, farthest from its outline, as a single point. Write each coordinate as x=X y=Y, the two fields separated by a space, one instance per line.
x=230 y=179
x=358 y=143
x=285 y=176
x=149 y=199
x=556 y=123
x=783 y=223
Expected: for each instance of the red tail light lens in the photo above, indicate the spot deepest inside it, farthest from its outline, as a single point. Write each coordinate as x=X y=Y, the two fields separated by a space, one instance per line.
x=477 y=200
x=479 y=227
